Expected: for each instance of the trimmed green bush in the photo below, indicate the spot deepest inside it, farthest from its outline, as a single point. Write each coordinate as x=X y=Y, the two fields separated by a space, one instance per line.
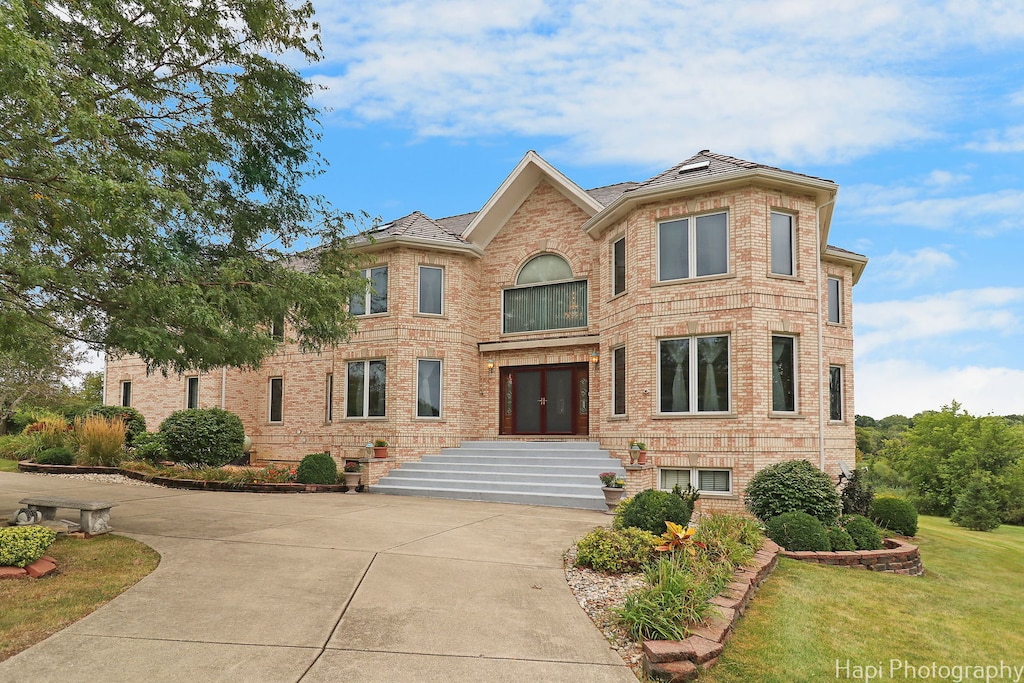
x=894 y=514
x=22 y=545
x=977 y=507
x=839 y=539
x=207 y=436
x=798 y=531
x=616 y=550
x=134 y=421
x=149 y=446
x=793 y=486
x=317 y=468
x=56 y=456
x=650 y=509
x=863 y=531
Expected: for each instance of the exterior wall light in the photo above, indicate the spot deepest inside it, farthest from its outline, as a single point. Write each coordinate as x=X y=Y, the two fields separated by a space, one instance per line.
x=490 y=366
x=595 y=358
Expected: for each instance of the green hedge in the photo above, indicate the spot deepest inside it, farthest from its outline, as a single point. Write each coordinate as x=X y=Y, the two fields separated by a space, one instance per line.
x=317 y=468
x=798 y=531
x=863 y=531
x=894 y=514
x=650 y=509
x=793 y=486
x=22 y=545
x=206 y=436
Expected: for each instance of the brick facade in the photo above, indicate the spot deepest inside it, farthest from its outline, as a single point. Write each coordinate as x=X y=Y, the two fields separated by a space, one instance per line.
x=748 y=304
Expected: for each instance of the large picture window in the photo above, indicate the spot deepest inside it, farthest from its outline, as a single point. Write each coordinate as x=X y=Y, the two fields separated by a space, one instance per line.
x=375 y=299
x=428 y=388
x=694 y=375
x=366 y=389
x=619 y=381
x=431 y=290
x=693 y=247
x=782 y=244
x=545 y=297
x=783 y=374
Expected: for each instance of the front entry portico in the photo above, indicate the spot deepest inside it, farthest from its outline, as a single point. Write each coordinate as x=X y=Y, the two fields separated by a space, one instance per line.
x=545 y=400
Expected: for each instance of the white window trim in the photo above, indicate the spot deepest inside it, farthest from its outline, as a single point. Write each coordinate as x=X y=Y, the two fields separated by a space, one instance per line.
x=796 y=374
x=691 y=246
x=842 y=394
x=440 y=393
x=839 y=302
x=792 y=244
x=613 y=378
x=366 y=272
x=419 y=288
x=366 y=390
x=695 y=479
x=693 y=376
x=625 y=286
x=270 y=399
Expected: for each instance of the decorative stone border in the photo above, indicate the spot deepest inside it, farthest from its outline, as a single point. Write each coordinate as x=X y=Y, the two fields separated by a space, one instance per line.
x=191 y=484
x=683 y=660
x=898 y=557
x=44 y=566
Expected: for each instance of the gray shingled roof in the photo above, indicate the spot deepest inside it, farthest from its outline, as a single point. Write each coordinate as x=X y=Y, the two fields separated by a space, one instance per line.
x=718 y=164
x=420 y=226
x=609 y=193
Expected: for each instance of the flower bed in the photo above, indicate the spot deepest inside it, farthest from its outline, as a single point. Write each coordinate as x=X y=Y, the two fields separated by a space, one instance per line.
x=898 y=557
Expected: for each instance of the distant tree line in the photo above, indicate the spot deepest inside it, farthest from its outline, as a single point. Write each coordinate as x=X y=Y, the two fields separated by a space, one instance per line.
x=936 y=456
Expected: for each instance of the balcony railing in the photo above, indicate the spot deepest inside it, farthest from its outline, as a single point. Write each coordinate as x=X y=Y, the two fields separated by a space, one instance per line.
x=545 y=307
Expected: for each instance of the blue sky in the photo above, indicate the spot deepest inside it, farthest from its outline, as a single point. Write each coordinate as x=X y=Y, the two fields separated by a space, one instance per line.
x=916 y=109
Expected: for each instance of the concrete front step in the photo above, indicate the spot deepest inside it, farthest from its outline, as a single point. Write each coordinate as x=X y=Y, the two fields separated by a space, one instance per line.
x=559 y=474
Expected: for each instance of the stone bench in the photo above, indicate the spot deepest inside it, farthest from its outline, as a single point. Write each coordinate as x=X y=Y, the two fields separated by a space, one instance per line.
x=94 y=515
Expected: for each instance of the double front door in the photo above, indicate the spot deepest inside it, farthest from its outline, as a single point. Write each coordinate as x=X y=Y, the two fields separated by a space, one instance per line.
x=545 y=399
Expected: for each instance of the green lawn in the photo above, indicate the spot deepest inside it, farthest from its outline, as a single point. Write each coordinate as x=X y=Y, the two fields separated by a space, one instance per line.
x=8 y=465
x=966 y=610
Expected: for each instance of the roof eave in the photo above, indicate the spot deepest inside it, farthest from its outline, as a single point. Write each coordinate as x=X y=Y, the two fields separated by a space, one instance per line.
x=857 y=262
x=391 y=241
x=823 y=190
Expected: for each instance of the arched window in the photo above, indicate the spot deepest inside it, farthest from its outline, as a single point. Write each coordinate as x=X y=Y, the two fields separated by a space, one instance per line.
x=544 y=268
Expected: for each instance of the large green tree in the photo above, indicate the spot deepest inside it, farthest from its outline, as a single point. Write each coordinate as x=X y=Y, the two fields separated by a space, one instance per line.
x=152 y=158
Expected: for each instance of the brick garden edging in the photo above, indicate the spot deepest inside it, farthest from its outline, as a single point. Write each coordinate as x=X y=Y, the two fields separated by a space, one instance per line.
x=44 y=566
x=898 y=557
x=191 y=484
x=683 y=660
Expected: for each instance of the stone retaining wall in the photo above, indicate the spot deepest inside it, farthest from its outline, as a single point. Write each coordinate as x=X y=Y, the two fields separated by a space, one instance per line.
x=683 y=660
x=898 y=557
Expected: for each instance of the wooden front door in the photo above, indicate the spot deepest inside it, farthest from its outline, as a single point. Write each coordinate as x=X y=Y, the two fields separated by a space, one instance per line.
x=545 y=400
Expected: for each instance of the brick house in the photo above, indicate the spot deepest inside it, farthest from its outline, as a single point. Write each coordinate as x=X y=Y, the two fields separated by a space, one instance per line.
x=701 y=311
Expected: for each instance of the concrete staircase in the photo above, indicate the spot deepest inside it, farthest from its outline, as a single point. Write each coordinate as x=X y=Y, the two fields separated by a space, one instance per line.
x=554 y=473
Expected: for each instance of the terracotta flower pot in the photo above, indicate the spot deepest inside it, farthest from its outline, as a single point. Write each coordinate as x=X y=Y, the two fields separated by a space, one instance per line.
x=380 y=451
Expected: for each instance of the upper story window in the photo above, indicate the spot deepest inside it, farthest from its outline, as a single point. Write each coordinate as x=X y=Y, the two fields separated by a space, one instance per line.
x=431 y=290
x=619 y=266
x=693 y=375
x=835 y=288
x=277 y=328
x=375 y=299
x=783 y=256
x=693 y=247
x=545 y=297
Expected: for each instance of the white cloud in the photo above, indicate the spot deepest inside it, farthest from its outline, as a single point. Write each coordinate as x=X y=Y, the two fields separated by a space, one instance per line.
x=650 y=82
x=1009 y=140
x=907 y=387
x=904 y=270
x=983 y=214
x=891 y=324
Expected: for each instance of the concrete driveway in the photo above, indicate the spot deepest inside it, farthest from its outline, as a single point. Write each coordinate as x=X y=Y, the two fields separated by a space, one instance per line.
x=328 y=587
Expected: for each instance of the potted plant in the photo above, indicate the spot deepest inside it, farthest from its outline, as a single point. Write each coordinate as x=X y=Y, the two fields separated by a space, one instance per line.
x=352 y=474
x=637 y=453
x=614 y=488
x=380 y=448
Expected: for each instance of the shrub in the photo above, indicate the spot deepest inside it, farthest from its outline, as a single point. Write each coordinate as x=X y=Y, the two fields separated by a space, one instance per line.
x=22 y=545
x=100 y=441
x=56 y=456
x=209 y=436
x=863 y=531
x=793 y=486
x=729 y=538
x=857 y=494
x=977 y=507
x=48 y=432
x=839 y=538
x=317 y=468
x=894 y=514
x=798 y=531
x=16 y=447
x=134 y=421
x=615 y=550
x=650 y=509
x=149 y=446
x=676 y=597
